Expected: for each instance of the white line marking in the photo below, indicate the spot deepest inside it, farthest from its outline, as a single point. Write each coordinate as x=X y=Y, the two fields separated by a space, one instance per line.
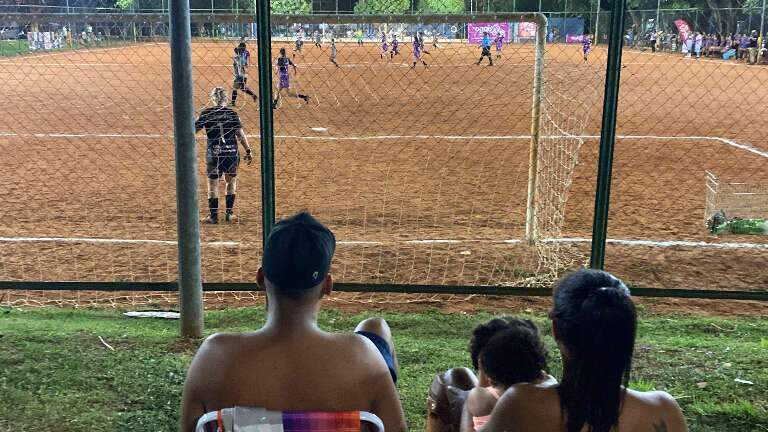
x=726 y=141
x=105 y=240
x=622 y=242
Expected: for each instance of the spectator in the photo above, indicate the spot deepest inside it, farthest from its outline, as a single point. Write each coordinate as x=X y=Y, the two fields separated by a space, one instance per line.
x=505 y=351
x=290 y=364
x=594 y=323
x=698 y=40
x=743 y=46
x=752 y=48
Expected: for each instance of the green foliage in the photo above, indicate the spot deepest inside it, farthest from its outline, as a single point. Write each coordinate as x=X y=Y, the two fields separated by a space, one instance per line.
x=290 y=7
x=123 y=4
x=441 y=6
x=371 y=7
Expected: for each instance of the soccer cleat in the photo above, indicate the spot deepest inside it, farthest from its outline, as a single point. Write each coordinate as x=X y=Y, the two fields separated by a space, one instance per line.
x=255 y=98
x=209 y=220
x=231 y=218
x=306 y=98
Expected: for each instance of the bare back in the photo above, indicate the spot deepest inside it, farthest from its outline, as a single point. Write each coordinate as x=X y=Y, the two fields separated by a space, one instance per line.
x=529 y=408
x=296 y=371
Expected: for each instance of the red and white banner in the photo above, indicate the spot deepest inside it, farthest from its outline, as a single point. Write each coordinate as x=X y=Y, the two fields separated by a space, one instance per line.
x=526 y=30
x=683 y=28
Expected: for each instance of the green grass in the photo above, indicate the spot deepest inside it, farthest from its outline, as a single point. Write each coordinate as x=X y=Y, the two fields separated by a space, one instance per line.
x=13 y=47
x=55 y=374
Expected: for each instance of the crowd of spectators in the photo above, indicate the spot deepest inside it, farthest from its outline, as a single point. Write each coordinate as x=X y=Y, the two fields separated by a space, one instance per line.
x=747 y=47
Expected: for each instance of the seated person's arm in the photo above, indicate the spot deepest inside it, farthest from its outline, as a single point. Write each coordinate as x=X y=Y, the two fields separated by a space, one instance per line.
x=479 y=403
x=505 y=413
x=387 y=405
x=198 y=382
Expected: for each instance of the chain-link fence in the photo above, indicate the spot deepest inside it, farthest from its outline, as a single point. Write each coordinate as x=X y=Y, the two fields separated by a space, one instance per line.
x=418 y=159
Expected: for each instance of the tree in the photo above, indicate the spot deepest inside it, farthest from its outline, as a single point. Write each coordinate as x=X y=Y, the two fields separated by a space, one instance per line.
x=290 y=7
x=442 y=6
x=382 y=6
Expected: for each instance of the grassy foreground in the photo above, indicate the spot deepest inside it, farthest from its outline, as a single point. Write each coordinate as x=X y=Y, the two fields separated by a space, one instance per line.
x=56 y=374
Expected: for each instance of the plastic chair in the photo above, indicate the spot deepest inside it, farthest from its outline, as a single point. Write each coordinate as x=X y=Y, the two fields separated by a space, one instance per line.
x=245 y=419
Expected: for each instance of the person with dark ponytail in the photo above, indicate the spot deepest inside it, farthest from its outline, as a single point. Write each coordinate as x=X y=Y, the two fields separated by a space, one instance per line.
x=594 y=323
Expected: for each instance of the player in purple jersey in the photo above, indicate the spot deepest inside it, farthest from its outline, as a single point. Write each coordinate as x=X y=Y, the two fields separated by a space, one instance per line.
x=586 y=45
x=417 y=51
x=284 y=80
x=499 y=44
x=384 y=46
x=395 y=47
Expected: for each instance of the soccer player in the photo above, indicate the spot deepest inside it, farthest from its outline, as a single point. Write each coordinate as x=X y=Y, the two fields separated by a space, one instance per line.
x=395 y=47
x=333 y=52
x=486 y=46
x=422 y=45
x=586 y=46
x=417 y=51
x=434 y=41
x=359 y=37
x=299 y=43
x=284 y=80
x=224 y=130
x=499 y=44
x=318 y=39
x=240 y=69
x=384 y=46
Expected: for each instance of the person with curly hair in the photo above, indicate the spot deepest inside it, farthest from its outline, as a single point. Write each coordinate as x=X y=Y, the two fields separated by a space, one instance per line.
x=505 y=351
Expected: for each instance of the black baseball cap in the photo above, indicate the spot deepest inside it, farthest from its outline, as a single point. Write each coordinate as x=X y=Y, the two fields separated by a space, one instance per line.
x=298 y=253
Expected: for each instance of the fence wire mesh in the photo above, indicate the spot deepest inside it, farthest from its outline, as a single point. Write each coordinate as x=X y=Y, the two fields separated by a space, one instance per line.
x=419 y=164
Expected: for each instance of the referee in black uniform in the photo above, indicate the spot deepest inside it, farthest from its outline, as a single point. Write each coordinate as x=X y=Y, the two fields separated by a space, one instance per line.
x=224 y=130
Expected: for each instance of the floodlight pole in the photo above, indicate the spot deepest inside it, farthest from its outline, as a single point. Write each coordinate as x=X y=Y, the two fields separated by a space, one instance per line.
x=187 y=212
x=762 y=26
x=266 y=119
x=607 y=135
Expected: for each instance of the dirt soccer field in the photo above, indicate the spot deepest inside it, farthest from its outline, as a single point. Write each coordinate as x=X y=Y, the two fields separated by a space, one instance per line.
x=421 y=173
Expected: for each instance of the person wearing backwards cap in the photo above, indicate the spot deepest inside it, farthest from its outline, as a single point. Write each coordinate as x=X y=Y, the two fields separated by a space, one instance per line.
x=290 y=363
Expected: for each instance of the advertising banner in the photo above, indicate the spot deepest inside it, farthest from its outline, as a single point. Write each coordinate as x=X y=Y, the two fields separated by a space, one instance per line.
x=475 y=31
x=526 y=30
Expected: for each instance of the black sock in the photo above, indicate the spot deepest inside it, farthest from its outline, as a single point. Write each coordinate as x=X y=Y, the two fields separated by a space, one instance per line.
x=213 y=205
x=250 y=92
x=230 y=203
x=234 y=96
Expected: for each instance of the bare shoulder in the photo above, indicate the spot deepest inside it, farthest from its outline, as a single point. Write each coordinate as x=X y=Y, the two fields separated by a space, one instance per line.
x=658 y=407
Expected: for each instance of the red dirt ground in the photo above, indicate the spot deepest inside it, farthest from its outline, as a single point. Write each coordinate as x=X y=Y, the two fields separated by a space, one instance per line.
x=405 y=156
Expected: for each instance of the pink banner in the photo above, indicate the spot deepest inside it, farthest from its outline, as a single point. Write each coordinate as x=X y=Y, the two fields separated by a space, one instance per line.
x=683 y=28
x=574 y=38
x=475 y=31
x=526 y=30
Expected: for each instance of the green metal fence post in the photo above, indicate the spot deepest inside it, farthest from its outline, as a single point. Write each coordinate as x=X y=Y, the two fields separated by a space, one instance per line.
x=607 y=135
x=187 y=213
x=264 y=35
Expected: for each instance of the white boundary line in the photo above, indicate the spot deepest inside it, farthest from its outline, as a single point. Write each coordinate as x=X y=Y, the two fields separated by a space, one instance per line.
x=621 y=242
x=105 y=240
x=726 y=141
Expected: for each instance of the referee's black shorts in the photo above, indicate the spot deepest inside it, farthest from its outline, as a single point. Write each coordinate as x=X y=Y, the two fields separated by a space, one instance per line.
x=217 y=166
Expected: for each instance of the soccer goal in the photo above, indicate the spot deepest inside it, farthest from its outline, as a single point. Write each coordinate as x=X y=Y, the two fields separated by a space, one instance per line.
x=736 y=200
